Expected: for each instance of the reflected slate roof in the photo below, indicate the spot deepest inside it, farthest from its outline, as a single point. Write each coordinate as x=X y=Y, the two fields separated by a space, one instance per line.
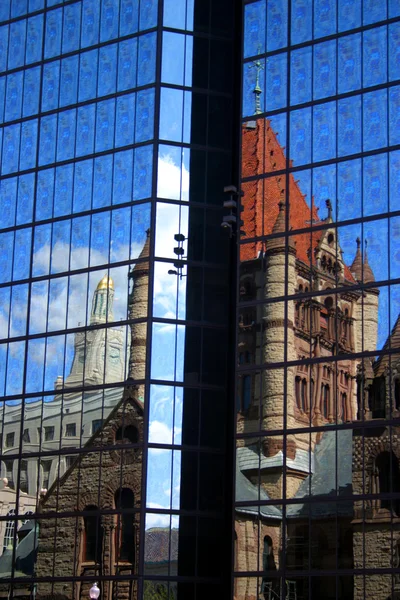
x=249 y=459
x=332 y=459
x=247 y=491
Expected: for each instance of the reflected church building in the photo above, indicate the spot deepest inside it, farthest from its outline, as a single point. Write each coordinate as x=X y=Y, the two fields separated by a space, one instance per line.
x=331 y=531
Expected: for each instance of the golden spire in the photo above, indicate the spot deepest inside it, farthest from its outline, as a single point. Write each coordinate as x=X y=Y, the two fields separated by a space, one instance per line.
x=105 y=283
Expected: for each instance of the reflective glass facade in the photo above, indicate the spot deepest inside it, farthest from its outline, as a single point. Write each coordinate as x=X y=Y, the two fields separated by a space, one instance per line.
x=318 y=394
x=116 y=142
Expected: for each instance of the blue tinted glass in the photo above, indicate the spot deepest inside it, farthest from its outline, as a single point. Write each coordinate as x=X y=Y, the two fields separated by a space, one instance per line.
x=375 y=184
x=300 y=136
x=394 y=8
x=277 y=19
x=394 y=51
x=374 y=11
x=69 y=81
x=71 y=27
x=88 y=75
x=142 y=173
x=107 y=70
x=109 y=20
x=148 y=14
x=324 y=69
x=173 y=58
x=102 y=181
x=13 y=106
x=349 y=63
x=6 y=251
x=10 y=154
x=324 y=131
x=52 y=45
x=28 y=150
x=16 y=48
x=349 y=190
x=254 y=28
x=8 y=201
x=64 y=181
x=394 y=179
x=374 y=56
x=2 y=97
x=4 y=10
x=178 y=14
x=128 y=17
x=301 y=21
x=394 y=115
x=85 y=130
x=18 y=7
x=300 y=81
x=147 y=59
x=26 y=186
x=22 y=255
x=324 y=17
x=51 y=83
x=171 y=114
x=105 y=116
x=66 y=134
x=375 y=120
x=100 y=238
x=34 y=39
x=44 y=195
x=83 y=177
x=127 y=64
x=3 y=47
x=125 y=121
x=349 y=13
x=31 y=91
x=123 y=173
x=90 y=23
x=349 y=126
x=42 y=237
x=276 y=81
x=47 y=145
x=144 y=116
x=35 y=5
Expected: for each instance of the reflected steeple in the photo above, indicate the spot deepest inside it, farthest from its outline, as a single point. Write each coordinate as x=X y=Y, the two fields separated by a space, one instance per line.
x=102 y=304
x=356 y=267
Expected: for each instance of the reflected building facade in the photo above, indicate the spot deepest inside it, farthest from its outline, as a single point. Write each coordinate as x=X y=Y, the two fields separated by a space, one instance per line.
x=113 y=351
x=317 y=464
x=146 y=351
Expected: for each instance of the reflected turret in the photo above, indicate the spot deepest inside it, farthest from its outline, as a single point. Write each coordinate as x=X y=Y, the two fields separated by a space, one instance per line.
x=137 y=309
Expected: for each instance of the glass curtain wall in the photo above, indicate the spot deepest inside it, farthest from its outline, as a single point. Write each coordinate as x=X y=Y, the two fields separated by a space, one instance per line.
x=318 y=396
x=116 y=144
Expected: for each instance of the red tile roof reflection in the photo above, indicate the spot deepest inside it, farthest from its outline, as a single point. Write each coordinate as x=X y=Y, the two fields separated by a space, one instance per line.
x=263 y=153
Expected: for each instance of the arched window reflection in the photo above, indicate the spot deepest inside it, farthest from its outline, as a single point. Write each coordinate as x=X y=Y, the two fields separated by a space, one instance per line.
x=93 y=536
x=125 y=531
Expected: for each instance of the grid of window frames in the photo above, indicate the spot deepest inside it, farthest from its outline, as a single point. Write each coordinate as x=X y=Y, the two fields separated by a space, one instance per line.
x=116 y=143
x=318 y=342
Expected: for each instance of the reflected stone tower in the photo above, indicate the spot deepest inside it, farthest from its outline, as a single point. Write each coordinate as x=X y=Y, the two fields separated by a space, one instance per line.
x=98 y=353
x=137 y=309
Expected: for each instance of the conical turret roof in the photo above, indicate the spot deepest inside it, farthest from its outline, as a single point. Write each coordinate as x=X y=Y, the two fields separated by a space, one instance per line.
x=356 y=267
x=280 y=227
x=142 y=265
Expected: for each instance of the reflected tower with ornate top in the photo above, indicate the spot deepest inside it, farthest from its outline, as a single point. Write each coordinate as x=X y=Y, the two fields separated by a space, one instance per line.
x=98 y=353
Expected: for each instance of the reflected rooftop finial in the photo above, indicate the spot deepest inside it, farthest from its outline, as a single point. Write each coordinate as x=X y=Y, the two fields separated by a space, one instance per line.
x=257 y=90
